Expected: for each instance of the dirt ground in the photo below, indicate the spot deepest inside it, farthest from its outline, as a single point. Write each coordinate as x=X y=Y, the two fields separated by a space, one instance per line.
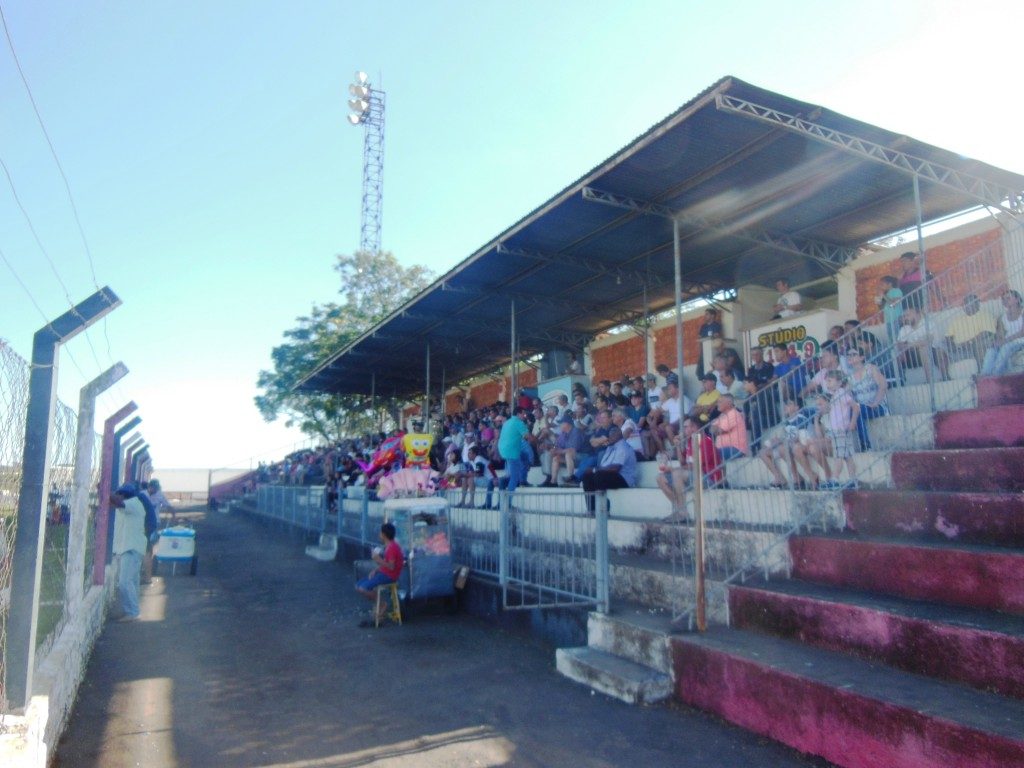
x=258 y=661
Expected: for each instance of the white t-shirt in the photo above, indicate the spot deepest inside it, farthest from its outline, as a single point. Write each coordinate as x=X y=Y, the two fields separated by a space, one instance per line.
x=788 y=299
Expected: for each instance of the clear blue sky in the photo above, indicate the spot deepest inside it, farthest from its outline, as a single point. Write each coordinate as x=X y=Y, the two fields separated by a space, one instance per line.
x=216 y=176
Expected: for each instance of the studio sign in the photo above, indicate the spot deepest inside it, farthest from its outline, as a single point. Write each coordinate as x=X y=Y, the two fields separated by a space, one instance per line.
x=782 y=336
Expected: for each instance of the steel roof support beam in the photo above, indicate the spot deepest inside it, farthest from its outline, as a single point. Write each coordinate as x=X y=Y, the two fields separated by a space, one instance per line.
x=987 y=192
x=583 y=263
x=827 y=253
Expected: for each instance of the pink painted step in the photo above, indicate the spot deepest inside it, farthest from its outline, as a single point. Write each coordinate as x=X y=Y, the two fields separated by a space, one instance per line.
x=990 y=427
x=981 y=469
x=984 y=650
x=982 y=578
x=852 y=713
x=974 y=518
x=1001 y=390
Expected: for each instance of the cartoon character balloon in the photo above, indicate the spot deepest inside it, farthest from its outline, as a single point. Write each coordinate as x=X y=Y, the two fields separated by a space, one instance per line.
x=417 y=447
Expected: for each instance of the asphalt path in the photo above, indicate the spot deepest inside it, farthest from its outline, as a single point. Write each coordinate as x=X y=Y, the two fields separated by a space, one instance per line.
x=259 y=662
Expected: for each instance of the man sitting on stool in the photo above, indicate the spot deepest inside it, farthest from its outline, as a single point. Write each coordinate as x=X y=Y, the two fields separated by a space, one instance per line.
x=616 y=469
x=389 y=565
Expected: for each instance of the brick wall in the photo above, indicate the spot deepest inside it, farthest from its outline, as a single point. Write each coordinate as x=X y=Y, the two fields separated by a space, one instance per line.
x=626 y=355
x=665 y=343
x=974 y=276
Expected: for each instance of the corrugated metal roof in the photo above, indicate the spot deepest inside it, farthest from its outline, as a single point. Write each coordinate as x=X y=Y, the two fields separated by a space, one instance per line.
x=576 y=267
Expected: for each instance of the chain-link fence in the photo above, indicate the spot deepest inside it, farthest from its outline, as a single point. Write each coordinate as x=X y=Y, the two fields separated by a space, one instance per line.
x=14 y=384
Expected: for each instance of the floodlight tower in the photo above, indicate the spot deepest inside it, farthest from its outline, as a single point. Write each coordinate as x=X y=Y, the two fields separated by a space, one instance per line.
x=367 y=105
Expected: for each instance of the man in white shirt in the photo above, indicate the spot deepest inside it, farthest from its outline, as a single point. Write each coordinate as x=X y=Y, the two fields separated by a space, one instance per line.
x=789 y=301
x=129 y=547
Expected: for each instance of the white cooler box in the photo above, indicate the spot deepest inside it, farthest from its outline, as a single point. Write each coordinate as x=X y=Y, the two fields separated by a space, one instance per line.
x=176 y=545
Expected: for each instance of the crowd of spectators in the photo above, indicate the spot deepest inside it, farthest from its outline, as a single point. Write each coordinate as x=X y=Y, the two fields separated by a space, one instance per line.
x=810 y=414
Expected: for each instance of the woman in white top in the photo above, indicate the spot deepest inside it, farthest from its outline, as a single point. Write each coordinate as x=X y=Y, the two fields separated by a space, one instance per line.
x=1009 y=336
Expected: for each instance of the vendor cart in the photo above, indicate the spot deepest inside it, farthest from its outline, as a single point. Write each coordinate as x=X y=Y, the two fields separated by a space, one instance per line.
x=423 y=531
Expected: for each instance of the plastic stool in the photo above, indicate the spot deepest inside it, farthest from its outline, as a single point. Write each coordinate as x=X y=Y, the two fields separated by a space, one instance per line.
x=395 y=614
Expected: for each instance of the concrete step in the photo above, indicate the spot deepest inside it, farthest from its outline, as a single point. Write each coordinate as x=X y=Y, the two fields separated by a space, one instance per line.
x=982 y=649
x=916 y=398
x=851 y=712
x=634 y=632
x=613 y=675
x=985 y=578
x=657 y=585
x=981 y=469
x=973 y=518
x=1000 y=390
x=990 y=427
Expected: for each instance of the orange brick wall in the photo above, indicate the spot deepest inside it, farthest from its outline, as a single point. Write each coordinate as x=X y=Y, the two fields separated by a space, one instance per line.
x=665 y=343
x=625 y=356
x=991 y=268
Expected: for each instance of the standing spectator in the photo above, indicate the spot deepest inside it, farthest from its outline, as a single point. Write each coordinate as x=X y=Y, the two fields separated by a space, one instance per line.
x=890 y=300
x=574 y=368
x=711 y=325
x=842 y=423
x=161 y=502
x=789 y=301
x=510 y=446
x=653 y=391
x=616 y=469
x=1009 y=337
x=129 y=547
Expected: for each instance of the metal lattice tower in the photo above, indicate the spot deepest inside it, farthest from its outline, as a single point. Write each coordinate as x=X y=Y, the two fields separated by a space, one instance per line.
x=368 y=110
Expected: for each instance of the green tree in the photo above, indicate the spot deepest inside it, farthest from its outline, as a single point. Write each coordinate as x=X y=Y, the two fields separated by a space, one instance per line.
x=372 y=286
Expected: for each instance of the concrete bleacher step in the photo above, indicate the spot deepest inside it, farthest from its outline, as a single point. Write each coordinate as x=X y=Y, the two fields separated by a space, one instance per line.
x=978 y=648
x=613 y=675
x=986 y=578
x=974 y=518
x=852 y=712
x=634 y=632
x=914 y=398
x=989 y=427
x=979 y=469
x=660 y=585
x=1000 y=390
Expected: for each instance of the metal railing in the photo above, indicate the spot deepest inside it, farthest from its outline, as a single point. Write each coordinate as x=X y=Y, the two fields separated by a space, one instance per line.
x=753 y=504
x=301 y=506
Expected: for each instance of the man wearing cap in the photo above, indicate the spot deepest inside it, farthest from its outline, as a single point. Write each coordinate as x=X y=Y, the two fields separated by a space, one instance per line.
x=616 y=469
x=707 y=400
x=129 y=547
x=568 y=444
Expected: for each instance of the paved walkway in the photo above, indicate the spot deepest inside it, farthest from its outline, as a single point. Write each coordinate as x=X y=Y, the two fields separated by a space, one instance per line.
x=258 y=662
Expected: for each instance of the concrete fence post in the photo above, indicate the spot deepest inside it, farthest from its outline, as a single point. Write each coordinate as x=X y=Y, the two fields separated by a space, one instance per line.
x=601 y=551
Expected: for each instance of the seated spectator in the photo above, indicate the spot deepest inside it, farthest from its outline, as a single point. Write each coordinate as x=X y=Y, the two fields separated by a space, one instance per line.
x=583 y=419
x=733 y=361
x=389 y=567
x=789 y=301
x=729 y=430
x=674 y=481
x=616 y=468
x=827 y=361
x=869 y=388
x=760 y=370
x=706 y=407
x=617 y=398
x=597 y=441
x=782 y=445
x=638 y=412
x=652 y=391
x=630 y=431
x=917 y=345
x=477 y=474
x=971 y=333
x=569 y=446
x=636 y=385
x=1009 y=336
x=563 y=405
x=760 y=409
x=728 y=382
x=665 y=420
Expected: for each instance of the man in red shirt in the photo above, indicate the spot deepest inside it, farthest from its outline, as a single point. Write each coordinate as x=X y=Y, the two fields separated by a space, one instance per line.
x=674 y=482
x=389 y=562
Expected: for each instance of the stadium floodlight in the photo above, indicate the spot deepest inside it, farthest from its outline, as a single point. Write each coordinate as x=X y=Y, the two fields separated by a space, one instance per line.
x=355 y=119
x=359 y=106
x=361 y=78
x=359 y=91
x=367 y=110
